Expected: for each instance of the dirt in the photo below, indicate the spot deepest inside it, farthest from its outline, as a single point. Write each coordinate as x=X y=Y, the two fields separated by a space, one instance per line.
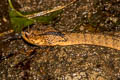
x=4 y=16
x=22 y=61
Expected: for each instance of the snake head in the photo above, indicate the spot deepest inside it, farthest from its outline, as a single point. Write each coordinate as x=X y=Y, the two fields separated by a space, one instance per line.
x=47 y=39
x=32 y=39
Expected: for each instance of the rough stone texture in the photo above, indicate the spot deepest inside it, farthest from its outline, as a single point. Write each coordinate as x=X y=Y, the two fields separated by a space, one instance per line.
x=4 y=16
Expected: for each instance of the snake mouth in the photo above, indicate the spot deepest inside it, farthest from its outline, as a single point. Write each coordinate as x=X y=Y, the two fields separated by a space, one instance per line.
x=26 y=38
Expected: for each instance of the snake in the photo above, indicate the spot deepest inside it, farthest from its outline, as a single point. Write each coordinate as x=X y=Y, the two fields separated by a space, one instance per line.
x=52 y=37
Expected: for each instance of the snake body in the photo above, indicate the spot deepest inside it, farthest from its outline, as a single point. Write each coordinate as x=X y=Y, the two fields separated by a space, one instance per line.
x=53 y=38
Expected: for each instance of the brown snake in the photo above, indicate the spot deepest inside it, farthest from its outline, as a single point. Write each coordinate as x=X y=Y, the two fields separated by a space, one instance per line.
x=50 y=37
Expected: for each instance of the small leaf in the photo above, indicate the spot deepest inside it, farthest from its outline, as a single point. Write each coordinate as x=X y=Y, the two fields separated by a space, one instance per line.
x=18 y=22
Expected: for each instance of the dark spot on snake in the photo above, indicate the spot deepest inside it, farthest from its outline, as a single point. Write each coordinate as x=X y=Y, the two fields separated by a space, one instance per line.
x=56 y=34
